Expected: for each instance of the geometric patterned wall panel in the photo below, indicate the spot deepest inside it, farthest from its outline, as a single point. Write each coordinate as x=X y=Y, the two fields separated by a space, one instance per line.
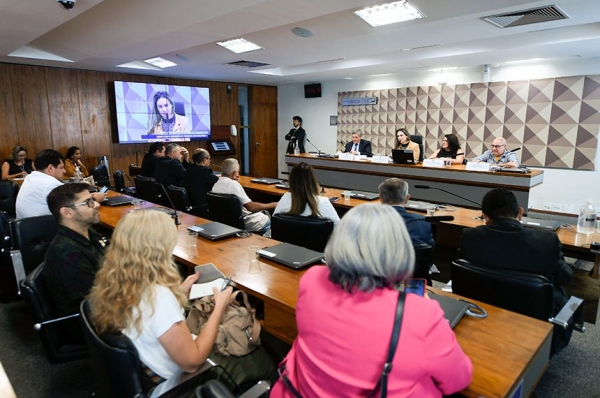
x=554 y=121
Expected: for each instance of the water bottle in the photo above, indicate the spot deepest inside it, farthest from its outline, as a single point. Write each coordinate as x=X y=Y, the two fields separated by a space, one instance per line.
x=586 y=223
x=78 y=177
x=296 y=149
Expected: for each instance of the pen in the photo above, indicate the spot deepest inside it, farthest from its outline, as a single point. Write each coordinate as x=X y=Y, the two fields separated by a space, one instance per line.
x=226 y=283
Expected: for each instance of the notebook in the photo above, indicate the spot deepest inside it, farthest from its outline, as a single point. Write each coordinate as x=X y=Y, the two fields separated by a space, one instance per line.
x=549 y=225
x=267 y=181
x=403 y=156
x=364 y=195
x=292 y=256
x=214 y=230
x=117 y=201
x=453 y=309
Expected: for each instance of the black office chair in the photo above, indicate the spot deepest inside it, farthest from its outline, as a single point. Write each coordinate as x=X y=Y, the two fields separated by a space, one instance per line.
x=53 y=332
x=216 y=389
x=8 y=282
x=145 y=188
x=418 y=139
x=100 y=174
x=181 y=200
x=521 y=292
x=32 y=236
x=310 y=232
x=8 y=198
x=423 y=261
x=225 y=208
x=120 y=184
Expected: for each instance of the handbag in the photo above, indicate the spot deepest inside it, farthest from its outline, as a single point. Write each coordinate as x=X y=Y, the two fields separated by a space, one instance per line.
x=239 y=331
x=387 y=367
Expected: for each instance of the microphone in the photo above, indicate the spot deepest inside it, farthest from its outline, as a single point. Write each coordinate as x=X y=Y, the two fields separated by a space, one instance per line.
x=216 y=165
x=449 y=193
x=314 y=146
x=171 y=202
x=322 y=187
x=131 y=183
x=515 y=150
x=39 y=325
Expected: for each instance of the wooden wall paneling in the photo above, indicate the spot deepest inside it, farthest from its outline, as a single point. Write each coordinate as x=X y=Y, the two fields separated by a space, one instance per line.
x=263 y=131
x=65 y=120
x=8 y=125
x=31 y=108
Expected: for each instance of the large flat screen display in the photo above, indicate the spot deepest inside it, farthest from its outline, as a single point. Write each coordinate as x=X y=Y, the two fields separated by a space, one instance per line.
x=160 y=112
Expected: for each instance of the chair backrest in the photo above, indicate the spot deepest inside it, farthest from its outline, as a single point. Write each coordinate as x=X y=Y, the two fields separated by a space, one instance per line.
x=8 y=197
x=119 y=181
x=8 y=287
x=100 y=174
x=225 y=208
x=521 y=292
x=32 y=236
x=145 y=187
x=55 y=337
x=418 y=139
x=310 y=232
x=115 y=360
x=423 y=261
x=180 y=198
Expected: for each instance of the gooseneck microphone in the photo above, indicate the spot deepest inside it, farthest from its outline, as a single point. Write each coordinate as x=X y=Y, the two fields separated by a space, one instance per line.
x=314 y=146
x=453 y=194
x=171 y=202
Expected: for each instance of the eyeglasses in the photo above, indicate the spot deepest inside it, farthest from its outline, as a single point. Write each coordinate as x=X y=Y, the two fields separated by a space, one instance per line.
x=497 y=146
x=90 y=203
x=444 y=140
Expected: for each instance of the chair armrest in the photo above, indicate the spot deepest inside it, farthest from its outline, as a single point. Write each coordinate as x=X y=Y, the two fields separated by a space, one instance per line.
x=173 y=386
x=39 y=325
x=18 y=267
x=571 y=312
x=257 y=390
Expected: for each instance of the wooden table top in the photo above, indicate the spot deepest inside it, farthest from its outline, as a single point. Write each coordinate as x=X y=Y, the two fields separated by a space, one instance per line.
x=500 y=346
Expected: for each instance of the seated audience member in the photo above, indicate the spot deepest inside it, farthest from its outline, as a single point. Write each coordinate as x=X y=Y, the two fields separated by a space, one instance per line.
x=498 y=155
x=403 y=142
x=155 y=153
x=170 y=170
x=72 y=160
x=303 y=198
x=358 y=146
x=450 y=150
x=199 y=178
x=138 y=291
x=228 y=183
x=503 y=243
x=17 y=165
x=50 y=168
x=345 y=315
x=394 y=192
x=73 y=257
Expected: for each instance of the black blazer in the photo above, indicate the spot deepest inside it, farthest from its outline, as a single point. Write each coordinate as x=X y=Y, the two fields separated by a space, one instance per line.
x=295 y=136
x=198 y=180
x=364 y=147
x=169 y=172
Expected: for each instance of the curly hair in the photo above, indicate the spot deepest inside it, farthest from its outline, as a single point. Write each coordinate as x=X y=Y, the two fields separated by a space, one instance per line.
x=139 y=257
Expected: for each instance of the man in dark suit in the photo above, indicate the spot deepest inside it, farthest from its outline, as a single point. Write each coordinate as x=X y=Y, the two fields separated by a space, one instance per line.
x=199 y=178
x=296 y=136
x=155 y=153
x=504 y=243
x=358 y=146
x=170 y=170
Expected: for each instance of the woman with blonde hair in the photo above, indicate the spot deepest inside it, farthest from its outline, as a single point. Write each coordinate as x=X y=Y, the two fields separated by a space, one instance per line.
x=138 y=291
x=17 y=165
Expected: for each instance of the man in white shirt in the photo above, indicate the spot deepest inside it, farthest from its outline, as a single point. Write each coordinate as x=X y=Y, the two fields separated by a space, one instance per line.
x=228 y=183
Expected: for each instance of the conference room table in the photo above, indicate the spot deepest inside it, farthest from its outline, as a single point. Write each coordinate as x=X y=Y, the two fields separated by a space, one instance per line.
x=509 y=351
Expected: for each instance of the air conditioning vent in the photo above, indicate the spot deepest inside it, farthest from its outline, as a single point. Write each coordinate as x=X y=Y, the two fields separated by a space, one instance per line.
x=247 y=64
x=527 y=17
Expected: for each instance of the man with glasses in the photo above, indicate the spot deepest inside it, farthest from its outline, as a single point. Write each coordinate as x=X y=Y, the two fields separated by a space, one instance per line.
x=73 y=257
x=498 y=154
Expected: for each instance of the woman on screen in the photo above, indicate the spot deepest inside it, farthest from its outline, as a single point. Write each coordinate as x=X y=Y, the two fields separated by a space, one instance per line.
x=450 y=150
x=164 y=119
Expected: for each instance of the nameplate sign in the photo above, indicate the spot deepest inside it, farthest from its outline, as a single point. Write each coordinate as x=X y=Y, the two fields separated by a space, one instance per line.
x=478 y=166
x=436 y=163
x=381 y=159
x=359 y=101
x=346 y=156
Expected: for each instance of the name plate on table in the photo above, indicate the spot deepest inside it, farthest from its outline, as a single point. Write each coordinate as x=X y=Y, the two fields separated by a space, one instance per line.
x=381 y=159
x=437 y=163
x=478 y=166
x=346 y=156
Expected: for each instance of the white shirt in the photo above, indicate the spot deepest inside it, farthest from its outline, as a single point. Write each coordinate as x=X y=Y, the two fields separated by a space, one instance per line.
x=256 y=221
x=325 y=208
x=31 y=200
x=167 y=312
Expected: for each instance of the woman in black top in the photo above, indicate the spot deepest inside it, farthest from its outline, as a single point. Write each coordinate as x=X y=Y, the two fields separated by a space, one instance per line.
x=17 y=165
x=450 y=150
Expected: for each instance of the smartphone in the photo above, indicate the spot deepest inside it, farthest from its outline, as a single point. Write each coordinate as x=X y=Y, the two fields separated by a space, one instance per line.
x=416 y=286
x=104 y=189
x=334 y=199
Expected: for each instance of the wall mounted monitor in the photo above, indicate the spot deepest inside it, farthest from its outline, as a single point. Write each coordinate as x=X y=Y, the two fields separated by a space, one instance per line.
x=161 y=112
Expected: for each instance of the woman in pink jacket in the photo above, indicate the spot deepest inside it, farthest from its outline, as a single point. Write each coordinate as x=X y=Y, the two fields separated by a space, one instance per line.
x=345 y=313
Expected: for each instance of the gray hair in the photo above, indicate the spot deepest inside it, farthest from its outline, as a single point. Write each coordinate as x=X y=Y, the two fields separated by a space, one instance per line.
x=358 y=132
x=229 y=167
x=502 y=139
x=393 y=191
x=171 y=148
x=370 y=248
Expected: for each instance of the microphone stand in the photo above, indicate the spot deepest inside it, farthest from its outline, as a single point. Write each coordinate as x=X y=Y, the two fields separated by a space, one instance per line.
x=453 y=194
x=314 y=146
x=171 y=202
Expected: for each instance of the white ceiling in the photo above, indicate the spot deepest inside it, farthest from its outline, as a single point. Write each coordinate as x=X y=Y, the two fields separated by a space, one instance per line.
x=100 y=34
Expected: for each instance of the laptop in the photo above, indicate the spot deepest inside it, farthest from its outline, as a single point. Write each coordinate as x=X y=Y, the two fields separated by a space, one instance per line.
x=403 y=156
x=549 y=225
x=296 y=257
x=454 y=309
x=268 y=181
x=284 y=185
x=521 y=170
x=417 y=206
x=214 y=230
x=117 y=201
x=364 y=195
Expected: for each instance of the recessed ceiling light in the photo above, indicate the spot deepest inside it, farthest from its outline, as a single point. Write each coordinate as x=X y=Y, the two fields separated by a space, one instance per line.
x=381 y=75
x=160 y=62
x=441 y=69
x=239 y=46
x=138 y=65
x=385 y=14
x=522 y=61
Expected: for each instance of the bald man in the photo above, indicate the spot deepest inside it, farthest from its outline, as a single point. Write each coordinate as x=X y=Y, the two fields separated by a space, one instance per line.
x=498 y=155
